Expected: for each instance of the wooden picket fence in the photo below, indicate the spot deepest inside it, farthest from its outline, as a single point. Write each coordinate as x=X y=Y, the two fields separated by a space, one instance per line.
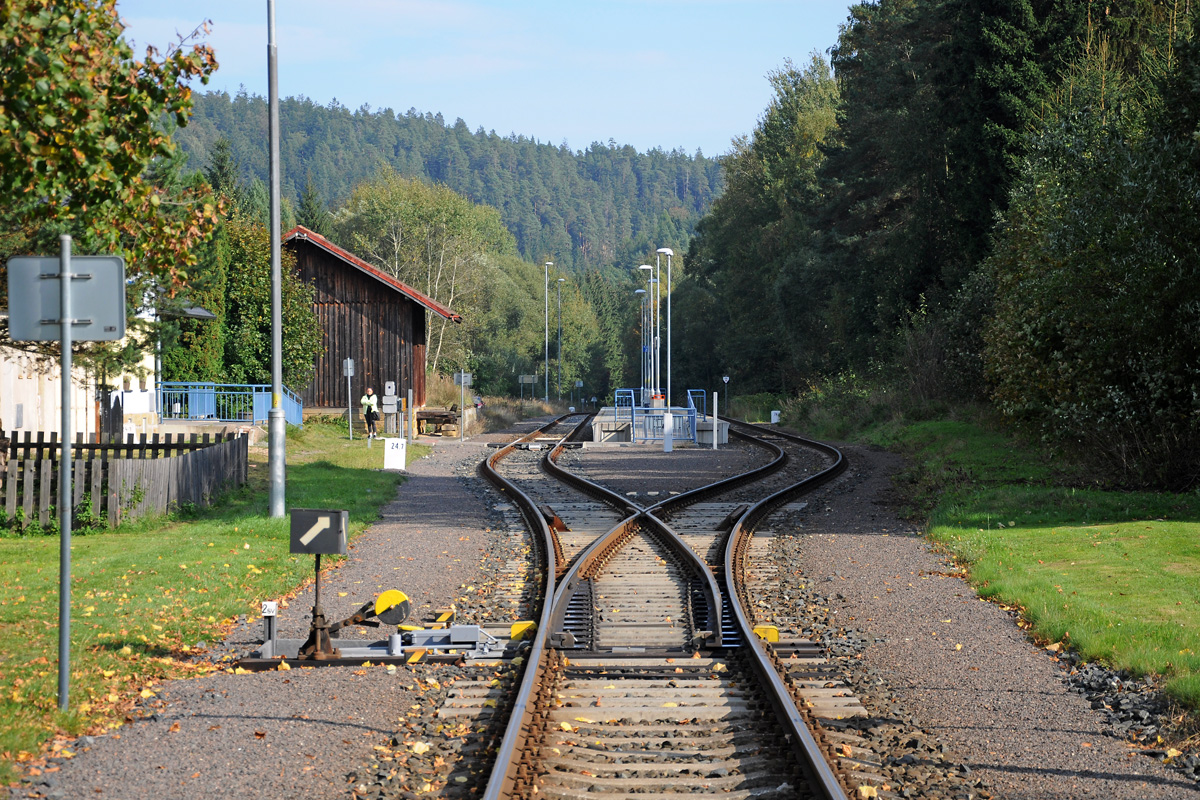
x=124 y=480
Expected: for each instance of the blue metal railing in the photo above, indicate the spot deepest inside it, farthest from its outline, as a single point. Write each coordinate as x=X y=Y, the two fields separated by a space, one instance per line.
x=624 y=404
x=648 y=424
x=702 y=406
x=224 y=402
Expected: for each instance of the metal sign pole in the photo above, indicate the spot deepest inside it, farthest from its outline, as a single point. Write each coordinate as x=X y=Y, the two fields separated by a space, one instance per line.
x=37 y=314
x=64 y=483
x=276 y=419
x=462 y=406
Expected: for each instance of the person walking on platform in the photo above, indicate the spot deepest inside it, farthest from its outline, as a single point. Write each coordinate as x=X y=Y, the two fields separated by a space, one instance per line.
x=370 y=411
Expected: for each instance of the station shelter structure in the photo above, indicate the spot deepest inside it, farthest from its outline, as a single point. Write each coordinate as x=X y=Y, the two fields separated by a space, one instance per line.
x=367 y=315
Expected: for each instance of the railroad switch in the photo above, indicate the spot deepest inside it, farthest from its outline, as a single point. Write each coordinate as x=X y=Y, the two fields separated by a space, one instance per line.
x=552 y=519
x=391 y=608
x=732 y=517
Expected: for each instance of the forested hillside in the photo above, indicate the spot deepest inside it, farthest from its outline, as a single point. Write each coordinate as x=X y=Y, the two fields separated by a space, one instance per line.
x=598 y=207
x=974 y=200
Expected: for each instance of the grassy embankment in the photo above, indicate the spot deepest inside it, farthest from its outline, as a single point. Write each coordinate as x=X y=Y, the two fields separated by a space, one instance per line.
x=1112 y=574
x=144 y=595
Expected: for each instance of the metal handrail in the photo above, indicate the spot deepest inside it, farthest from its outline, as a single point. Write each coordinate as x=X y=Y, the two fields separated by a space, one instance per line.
x=223 y=402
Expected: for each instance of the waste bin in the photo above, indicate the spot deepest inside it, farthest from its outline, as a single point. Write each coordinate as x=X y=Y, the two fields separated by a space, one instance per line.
x=774 y=417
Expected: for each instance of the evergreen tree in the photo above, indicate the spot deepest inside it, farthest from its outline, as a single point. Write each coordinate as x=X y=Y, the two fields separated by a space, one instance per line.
x=312 y=212
x=223 y=172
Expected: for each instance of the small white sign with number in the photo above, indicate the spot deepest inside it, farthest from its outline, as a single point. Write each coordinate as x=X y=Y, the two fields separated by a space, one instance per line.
x=395 y=452
x=270 y=608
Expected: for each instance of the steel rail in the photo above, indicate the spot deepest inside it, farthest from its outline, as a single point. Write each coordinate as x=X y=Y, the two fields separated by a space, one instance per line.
x=594 y=490
x=522 y=715
x=487 y=468
x=762 y=658
x=508 y=777
x=701 y=493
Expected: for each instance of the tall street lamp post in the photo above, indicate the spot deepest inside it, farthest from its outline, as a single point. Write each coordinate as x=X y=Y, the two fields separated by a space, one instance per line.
x=668 y=252
x=644 y=349
x=276 y=423
x=668 y=420
x=549 y=264
x=653 y=340
x=561 y=281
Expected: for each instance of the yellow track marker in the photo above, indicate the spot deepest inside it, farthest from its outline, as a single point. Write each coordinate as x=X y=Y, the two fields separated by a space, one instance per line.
x=767 y=632
x=522 y=630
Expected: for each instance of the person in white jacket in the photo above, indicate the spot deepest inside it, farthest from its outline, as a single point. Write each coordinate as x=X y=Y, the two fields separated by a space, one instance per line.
x=370 y=411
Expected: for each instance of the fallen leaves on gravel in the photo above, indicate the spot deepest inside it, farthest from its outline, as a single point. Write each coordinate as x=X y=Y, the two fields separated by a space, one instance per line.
x=260 y=734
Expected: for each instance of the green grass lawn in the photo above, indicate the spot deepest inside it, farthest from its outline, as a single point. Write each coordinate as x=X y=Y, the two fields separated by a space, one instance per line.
x=144 y=595
x=1113 y=574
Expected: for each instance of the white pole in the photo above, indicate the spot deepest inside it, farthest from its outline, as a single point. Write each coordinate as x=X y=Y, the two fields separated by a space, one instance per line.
x=658 y=324
x=349 y=407
x=64 y=481
x=669 y=254
x=716 y=421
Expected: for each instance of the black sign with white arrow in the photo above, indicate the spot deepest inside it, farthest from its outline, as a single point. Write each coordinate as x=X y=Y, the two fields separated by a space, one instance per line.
x=316 y=531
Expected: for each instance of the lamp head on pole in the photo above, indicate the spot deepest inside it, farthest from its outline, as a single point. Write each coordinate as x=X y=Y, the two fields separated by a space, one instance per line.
x=549 y=263
x=645 y=266
x=639 y=291
x=665 y=251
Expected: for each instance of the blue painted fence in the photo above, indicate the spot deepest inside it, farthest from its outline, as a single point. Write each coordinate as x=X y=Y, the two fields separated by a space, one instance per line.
x=224 y=402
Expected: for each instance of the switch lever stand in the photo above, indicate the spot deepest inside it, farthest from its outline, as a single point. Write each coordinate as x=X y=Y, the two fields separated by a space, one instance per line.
x=318 y=646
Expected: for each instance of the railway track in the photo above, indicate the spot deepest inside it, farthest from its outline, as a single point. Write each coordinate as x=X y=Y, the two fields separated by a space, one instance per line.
x=645 y=676
x=574 y=515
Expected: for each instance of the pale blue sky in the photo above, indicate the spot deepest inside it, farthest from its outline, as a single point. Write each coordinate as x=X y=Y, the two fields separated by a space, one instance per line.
x=651 y=73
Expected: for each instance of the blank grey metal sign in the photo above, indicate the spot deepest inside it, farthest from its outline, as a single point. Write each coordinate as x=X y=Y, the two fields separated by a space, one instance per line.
x=316 y=531
x=97 y=304
x=41 y=309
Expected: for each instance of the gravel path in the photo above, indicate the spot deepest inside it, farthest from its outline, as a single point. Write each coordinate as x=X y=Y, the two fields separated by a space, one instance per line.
x=999 y=702
x=294 y=733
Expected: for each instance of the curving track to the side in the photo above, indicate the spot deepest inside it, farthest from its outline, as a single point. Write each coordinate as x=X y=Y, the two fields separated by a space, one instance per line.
x=645 y=677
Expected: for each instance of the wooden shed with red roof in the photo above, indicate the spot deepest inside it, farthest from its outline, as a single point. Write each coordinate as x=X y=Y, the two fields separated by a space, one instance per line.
x=365 y=314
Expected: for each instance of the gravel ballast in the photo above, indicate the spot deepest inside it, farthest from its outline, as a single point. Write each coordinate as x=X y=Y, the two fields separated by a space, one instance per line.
x=999 y=706
x=999 y=703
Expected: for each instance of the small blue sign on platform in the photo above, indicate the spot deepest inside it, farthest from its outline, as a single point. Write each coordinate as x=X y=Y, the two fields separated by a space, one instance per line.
x=319 y=532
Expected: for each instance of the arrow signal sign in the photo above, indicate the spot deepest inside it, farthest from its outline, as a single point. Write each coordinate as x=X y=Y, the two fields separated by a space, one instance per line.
x=322 y=524
x=320 y=531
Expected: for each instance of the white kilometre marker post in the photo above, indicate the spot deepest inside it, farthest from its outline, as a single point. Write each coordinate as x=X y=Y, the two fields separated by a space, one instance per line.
x=321 y=525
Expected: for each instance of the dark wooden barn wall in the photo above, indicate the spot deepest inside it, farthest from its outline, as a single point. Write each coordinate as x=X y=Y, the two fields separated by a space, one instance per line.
x=361 y=318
